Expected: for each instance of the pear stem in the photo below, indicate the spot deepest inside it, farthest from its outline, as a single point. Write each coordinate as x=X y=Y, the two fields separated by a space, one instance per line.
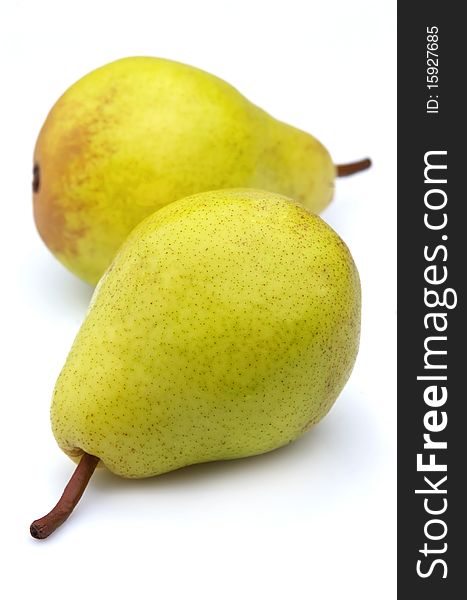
x=42 y=528
x=351 y=168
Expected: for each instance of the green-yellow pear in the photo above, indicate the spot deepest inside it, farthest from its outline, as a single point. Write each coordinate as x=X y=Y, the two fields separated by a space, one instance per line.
x=139 y=133
x=226 y=326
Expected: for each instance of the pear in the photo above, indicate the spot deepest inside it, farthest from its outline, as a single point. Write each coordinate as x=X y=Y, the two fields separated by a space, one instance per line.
x=141 y=132
x=225 y=327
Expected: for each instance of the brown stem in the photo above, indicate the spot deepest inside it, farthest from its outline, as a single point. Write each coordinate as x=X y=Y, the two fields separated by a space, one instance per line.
x=42 y=528
x=351 y=168
x=36 y=178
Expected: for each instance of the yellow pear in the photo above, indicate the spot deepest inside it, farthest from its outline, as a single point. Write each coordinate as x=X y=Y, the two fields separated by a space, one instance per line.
x=226 y=326
x=141 y=132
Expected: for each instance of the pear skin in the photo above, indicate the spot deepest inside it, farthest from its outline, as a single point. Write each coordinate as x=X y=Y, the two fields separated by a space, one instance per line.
x=226 y=326
x=141 y=132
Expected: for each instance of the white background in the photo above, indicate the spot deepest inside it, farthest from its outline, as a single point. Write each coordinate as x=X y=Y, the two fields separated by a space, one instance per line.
x=313 y=520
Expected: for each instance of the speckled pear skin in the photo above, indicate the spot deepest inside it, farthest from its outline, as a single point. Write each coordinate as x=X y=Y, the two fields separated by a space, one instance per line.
x=141 y=132
x=226 y=326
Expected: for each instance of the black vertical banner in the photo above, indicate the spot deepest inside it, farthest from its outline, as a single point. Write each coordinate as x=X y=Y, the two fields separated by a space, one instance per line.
x=432 y=268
